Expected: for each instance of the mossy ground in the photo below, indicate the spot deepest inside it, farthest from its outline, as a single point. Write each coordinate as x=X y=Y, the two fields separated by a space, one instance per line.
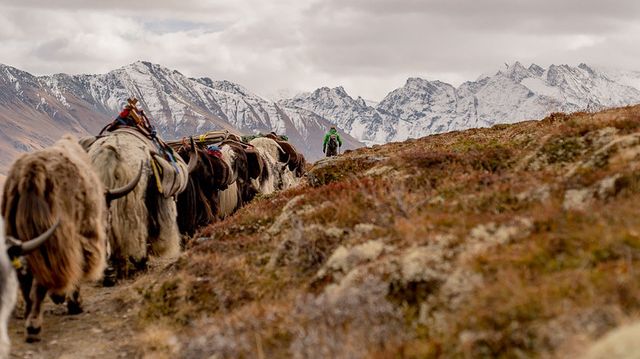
x=571 y=274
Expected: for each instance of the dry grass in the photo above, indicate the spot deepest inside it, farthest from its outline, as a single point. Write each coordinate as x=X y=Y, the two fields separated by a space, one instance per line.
x=504 y=242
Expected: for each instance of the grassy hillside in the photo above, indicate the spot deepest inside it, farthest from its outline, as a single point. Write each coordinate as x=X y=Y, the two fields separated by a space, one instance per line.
x=511 y=241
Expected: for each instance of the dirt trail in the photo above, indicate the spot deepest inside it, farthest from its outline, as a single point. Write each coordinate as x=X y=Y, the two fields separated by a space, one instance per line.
x=106 y=329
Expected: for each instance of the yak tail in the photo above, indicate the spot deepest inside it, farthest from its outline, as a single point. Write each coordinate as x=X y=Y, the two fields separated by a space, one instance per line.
x=32 y=210
x=56 y=265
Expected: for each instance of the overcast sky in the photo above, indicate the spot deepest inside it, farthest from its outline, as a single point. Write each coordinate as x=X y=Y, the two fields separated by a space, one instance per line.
x=286 y=46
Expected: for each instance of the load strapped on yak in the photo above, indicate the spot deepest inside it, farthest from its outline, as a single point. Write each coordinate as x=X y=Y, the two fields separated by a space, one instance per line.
x=272 y=134
x=166 y=168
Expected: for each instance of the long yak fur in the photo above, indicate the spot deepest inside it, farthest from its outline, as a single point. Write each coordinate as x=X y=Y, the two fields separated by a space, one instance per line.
x=230 y=199
x=56 y=183
x=295 y=161
x=144 y=219
x=279 y=176
x=199 y=204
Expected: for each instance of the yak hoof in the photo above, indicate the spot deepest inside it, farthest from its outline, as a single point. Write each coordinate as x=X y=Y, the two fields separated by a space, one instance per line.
x=57 y=298
x=74 y=308
x=110 y=277
x=109 y=282
x=33 y=334
x=139 y=265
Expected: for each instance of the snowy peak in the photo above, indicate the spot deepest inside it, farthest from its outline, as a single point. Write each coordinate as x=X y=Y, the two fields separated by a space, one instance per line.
x=624 y=77
x=536 y=70
x=327 y=98
x=586 y=68
x=514 y=93
x=336 y=106
x=331 y=103
x=16 y=82
x=516 y=72
x=416 y=84
x=418 y=99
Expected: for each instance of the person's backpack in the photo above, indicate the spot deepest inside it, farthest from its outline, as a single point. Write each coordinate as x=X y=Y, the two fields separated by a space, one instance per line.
x=333 y=142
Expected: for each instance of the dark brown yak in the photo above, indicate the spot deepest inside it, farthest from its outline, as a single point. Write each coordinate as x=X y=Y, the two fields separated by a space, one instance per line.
x=199 y=204
x=57 y=184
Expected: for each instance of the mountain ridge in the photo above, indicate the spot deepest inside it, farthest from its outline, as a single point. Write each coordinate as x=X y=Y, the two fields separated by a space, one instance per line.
x=423 y=107
x=36 y=110
x=178 y=106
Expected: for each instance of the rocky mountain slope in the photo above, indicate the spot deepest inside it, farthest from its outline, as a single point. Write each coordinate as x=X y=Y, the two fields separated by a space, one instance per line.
x=423 y=107
x=517 y=240
x=32 y=116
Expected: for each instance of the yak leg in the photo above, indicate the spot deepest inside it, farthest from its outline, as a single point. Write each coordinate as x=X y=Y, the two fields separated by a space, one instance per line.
x=34 y=320
x=110 y=277
x=74 y=304
x=26 y=282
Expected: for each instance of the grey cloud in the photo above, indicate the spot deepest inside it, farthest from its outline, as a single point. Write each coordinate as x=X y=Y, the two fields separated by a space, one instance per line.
x=567 y=16
x=137 y=7
x=169 y=26
x=369 y=46
x=54 y=50
x=493 y=8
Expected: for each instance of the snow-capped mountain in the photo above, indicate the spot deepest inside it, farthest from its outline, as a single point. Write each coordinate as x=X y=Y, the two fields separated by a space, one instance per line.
x=517 y=93
x=354 y=116
x=36 y=111
x=624 y=77
x=33 y=116
x=180 y=106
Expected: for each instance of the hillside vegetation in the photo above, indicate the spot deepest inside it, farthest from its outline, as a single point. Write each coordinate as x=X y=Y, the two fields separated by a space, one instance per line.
x=511 y=241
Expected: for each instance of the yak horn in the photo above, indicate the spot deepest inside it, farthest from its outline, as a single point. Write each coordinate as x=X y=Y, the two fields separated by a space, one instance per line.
x=193 y=158
x=120 y=192
x=18 y=248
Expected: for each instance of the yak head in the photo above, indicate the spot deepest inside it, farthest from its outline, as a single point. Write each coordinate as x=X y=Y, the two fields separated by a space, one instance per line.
x=113 y=194
x=16 y=248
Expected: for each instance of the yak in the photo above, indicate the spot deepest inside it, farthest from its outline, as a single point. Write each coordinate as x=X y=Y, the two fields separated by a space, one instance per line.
x=278 y=175
x=144 y=222
x=199 y=204
x=8 y=279
x=245 y=167
x=295 y=160
x=58 y=185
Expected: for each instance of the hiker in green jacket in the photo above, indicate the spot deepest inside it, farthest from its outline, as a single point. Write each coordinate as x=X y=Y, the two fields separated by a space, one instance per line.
x=332 y=142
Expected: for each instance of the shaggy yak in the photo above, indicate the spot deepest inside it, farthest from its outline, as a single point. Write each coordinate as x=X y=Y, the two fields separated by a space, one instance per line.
x=277 y=175
x=245 y=166
x=8 y=280
x=199 y=204
x=146 y=221
x=296 y=160
x=57 y=183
